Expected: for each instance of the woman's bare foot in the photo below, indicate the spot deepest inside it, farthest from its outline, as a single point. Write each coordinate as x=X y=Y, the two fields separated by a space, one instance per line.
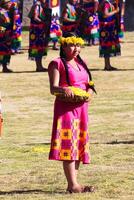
x=75 y=189
x=81 y=189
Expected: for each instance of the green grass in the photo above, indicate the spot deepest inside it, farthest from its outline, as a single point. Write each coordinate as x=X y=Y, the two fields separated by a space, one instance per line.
x=26 y=174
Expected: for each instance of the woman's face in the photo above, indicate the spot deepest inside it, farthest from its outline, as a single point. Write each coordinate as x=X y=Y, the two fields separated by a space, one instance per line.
x=71 y=50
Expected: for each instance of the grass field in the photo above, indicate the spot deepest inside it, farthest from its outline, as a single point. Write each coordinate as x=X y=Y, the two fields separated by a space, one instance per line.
x=25 y=171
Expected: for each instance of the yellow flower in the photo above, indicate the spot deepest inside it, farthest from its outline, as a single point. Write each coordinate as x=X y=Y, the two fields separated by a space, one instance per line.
x=78 y=91
x=91 y=83
x=40 y=149
x=79 y=95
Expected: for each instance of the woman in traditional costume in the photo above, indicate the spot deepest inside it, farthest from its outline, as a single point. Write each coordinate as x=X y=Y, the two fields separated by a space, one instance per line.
x=40 y=16
x=109 y=28
x=89 y=26
x=70 y=138
x=69 y=17
x=6 y=32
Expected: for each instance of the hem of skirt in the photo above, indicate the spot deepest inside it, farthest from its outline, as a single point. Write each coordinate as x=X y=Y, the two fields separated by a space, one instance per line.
x=34 y=58
x=84 y=162
x=110 y=55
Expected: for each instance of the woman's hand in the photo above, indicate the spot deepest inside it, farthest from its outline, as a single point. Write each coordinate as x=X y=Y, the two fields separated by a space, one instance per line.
x=68 y=92
x=90 y=91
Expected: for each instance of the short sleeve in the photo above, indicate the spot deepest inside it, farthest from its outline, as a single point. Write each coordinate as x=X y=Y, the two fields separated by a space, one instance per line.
x=57 y=64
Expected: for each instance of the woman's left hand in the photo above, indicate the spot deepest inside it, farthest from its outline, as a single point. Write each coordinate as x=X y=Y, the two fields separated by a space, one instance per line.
x=90 y=91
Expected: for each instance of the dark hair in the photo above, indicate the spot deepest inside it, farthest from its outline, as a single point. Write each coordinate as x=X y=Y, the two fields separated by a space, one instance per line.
x=63 y=58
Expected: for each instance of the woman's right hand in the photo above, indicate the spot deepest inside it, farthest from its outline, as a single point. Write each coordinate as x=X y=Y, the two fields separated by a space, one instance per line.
x=68 y=92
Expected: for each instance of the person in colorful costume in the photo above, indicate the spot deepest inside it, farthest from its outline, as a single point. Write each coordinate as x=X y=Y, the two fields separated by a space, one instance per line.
x=70 y=138
x=69 y=17
x=55 y=31
x=40 y=16
x=109 y=28
x=6 y=31
x=89 y=26
x=122 y=27
x=17 y=29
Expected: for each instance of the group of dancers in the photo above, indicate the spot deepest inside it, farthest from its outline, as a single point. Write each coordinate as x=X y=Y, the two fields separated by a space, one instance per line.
x=98 y=22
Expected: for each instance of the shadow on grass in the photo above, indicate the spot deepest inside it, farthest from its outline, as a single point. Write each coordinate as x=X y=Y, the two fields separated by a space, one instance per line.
x=121 y=142
x=112 y=70
x=116 y=142
x=112 y=142
x=33 y=144
x=36 y=191
x=19 y=72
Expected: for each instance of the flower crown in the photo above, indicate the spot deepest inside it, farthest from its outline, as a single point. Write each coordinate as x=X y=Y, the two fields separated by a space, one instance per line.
x=71 y=40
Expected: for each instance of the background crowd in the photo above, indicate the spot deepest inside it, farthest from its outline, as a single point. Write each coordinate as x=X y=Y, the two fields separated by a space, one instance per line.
x=98 y=22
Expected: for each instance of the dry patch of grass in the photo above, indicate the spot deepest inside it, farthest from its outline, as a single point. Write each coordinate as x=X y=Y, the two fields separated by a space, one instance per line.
x=26 y=173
